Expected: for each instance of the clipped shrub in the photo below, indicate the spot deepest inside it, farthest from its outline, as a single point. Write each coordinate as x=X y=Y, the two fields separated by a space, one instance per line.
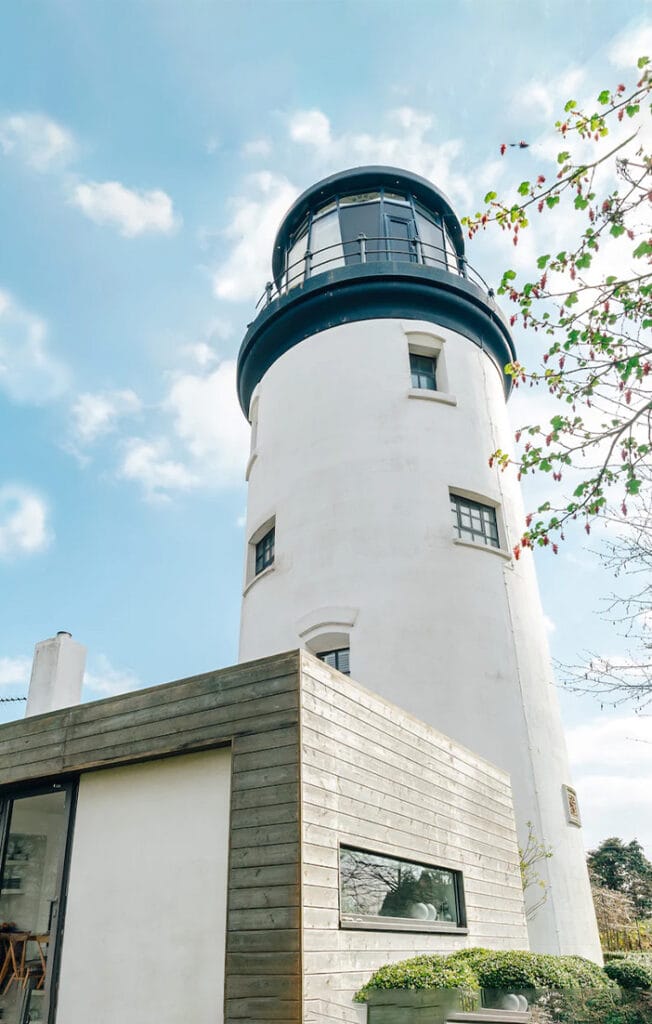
x=514 y=969
x=631 y=972
x=422 y=972
x=507 y=970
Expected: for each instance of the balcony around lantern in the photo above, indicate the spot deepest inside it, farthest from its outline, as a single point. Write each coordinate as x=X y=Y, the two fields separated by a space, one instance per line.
x=377 y=249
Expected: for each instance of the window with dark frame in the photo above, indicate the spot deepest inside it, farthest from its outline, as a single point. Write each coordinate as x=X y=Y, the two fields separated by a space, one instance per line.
x=423 y=370
x=265 y=551
x=338 y=659
x=421 y=896
x=474 y=521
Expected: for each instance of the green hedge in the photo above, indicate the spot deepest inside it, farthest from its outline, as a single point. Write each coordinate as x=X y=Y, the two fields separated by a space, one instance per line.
x=422 y=972
x=472 y=969
x=631 y=972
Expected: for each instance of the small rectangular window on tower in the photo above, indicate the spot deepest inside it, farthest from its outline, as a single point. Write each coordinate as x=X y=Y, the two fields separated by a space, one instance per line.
x=338 y=659
x=423 y=370
x=474 y=521
x=265 y=551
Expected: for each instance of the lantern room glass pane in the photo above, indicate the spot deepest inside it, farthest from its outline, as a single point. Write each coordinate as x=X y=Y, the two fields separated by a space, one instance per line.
x=296 y=262
x=361 y=220
x=432 y=242
x=326 y=243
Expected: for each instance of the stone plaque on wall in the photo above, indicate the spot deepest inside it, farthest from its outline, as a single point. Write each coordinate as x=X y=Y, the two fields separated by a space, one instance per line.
x=572 y=806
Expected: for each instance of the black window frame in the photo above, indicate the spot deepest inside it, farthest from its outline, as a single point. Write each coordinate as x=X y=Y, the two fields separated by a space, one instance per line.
x=420 y=376
x=336 y=652
x=70 y=786
x=264 y=551
x=488 y=535
x=373 y=922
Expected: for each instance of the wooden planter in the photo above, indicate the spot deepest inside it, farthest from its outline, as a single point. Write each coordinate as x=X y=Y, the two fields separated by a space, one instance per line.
x=408 y=1006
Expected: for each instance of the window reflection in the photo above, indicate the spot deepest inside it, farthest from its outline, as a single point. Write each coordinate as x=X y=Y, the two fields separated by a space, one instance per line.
x=373 y=885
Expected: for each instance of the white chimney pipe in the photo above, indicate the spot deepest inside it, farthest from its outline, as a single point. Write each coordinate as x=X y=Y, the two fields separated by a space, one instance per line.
x=57 y=674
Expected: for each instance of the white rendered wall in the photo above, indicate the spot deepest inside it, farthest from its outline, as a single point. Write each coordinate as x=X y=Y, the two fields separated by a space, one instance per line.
x=145 y=923
x=357 y=475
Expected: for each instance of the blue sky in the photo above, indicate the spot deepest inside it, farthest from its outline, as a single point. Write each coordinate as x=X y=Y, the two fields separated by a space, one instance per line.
x=147 y=153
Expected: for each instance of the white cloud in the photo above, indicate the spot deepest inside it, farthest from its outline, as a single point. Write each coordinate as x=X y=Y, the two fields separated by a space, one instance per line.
x=549 y=625
x=133 y=212
x=209 y=421
x=28 y=370
x=612 y=762
x=632 y=43
x=311 y=127
x=206 y=441
x=541 y=99
x=24 y=527
x=15 y=671
x=406 y=144
x=95 y=415
x=149 y=463
x=257 y=148
x=254 y=223
x=108 y=681
x=36 y=140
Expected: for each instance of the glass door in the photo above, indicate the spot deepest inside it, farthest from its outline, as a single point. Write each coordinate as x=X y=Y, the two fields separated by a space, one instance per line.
x=33 y=842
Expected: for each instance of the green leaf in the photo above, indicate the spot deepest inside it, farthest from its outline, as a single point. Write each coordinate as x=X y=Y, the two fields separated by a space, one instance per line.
x=570 y=105
x=551 y=201
x=644 y=249
x=632 y=109
x=633 y=485
x=617 y=230
x=642 y=61
x=584 y=261
x=542 y=262
x=572 y=299
x=545 y=465
x=604 y=97
x=563 y=157
x=524 y=188
x=489 y=196
x=581 y=203
x=557 y=422
x=509 y=275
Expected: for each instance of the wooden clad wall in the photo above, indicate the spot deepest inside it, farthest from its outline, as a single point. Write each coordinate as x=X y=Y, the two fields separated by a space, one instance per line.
x=255 y=708
x=377 y=778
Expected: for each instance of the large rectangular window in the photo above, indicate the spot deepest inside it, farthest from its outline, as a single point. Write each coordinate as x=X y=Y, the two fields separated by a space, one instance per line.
x=33 y=835
x=385 y=891
x=474 y=521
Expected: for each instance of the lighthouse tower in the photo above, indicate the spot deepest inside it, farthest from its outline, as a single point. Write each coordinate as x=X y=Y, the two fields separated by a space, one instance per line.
x=378 y=537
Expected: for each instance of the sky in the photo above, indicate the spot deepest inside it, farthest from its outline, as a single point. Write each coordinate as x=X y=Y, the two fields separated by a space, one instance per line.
x=148 y=151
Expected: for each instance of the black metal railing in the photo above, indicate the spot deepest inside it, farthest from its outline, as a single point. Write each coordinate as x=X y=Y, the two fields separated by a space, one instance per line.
x=364 y=249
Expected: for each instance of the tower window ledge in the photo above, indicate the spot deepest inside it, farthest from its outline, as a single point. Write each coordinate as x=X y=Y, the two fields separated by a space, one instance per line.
x=507 y=555
x=260 y=576
x=250 y=464
x=432 y=396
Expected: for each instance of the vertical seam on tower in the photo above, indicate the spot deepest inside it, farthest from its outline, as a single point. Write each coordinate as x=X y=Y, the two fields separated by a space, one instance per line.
x=519 y=676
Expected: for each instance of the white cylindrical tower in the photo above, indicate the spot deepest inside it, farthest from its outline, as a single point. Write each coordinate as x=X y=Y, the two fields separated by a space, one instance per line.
x=377 y=534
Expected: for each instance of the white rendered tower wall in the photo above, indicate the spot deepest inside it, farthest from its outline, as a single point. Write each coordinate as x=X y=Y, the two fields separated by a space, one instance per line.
x=354 y=469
